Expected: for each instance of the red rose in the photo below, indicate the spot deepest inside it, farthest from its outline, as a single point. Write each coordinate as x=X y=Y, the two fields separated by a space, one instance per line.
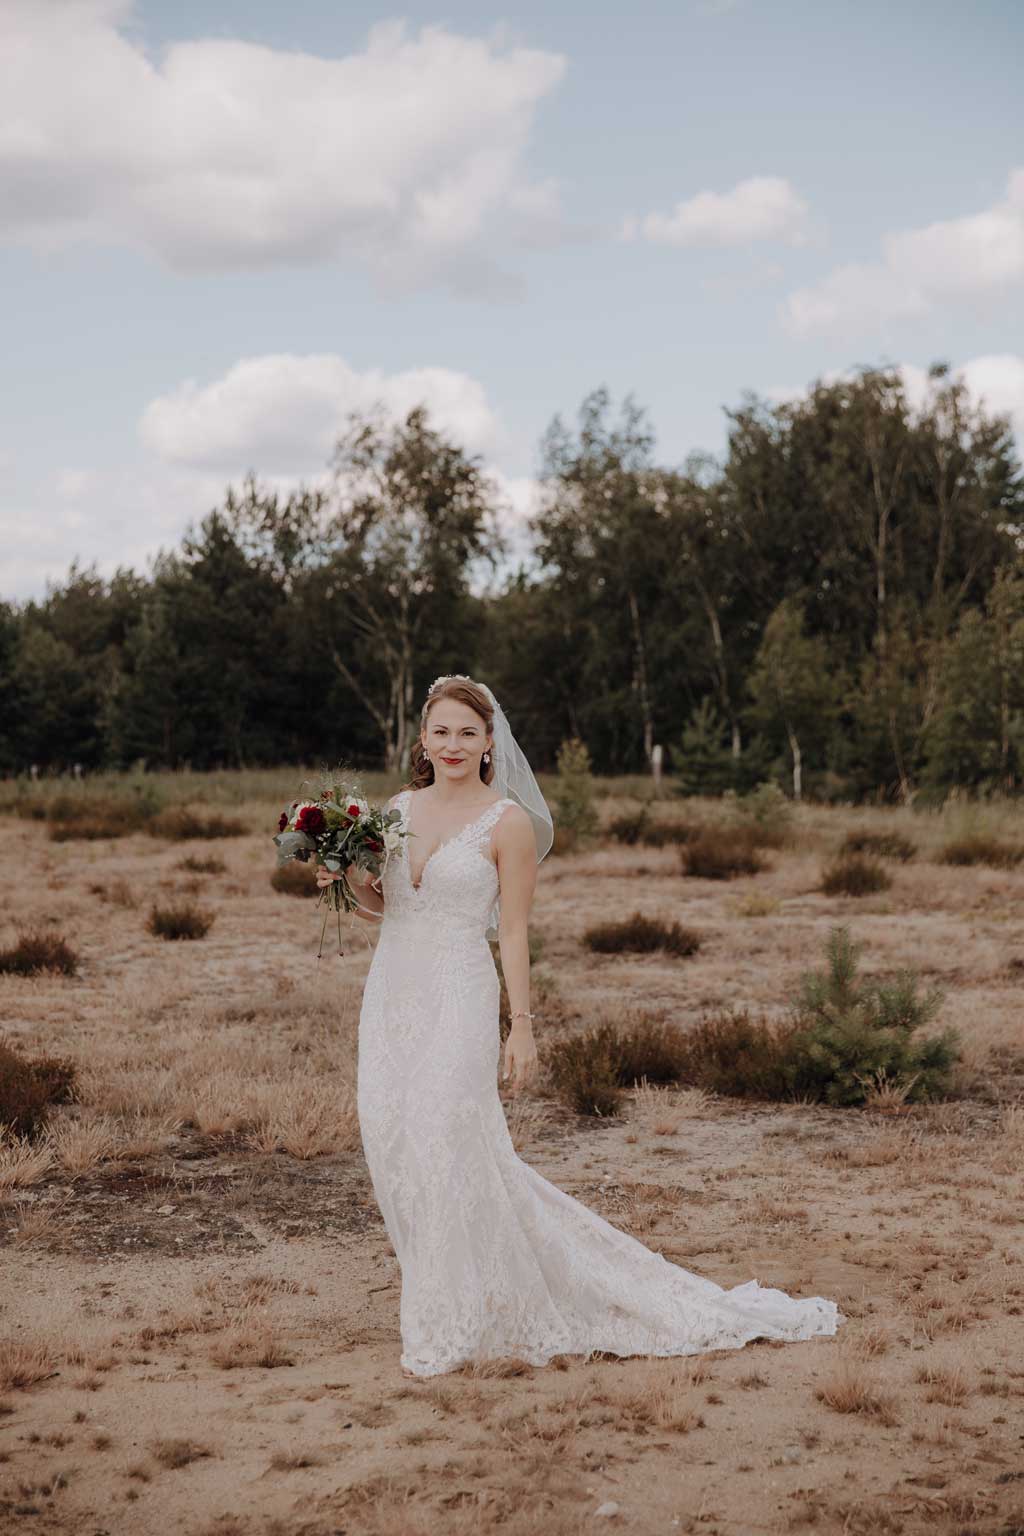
x=353 y=810
x=310 y=819
x=373 y=845
x=282 y=824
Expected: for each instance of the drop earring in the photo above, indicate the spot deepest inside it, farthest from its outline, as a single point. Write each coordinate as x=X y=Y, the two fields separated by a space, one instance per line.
x=487 y=757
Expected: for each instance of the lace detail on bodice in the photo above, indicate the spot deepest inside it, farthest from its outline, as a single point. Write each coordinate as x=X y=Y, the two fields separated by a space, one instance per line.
x=495 y=1259
x=458 y=883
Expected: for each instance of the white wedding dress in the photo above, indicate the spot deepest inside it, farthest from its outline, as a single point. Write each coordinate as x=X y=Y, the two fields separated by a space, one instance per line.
x=496 y=1260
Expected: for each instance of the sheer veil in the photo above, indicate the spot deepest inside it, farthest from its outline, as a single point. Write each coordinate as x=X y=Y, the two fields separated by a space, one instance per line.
x=514 y=779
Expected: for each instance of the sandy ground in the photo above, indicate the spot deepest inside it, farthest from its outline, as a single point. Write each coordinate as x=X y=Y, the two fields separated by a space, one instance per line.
x=199 y=1304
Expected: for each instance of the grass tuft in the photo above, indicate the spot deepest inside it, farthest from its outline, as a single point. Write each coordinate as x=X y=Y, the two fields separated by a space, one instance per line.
x=641 y=935
x=36 y=951
x=851 y=874
x=183 y=921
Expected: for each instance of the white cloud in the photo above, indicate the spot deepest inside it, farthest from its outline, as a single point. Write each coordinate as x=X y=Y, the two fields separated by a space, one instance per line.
x=951 y=259
x=995 y=381
x=760 y=208
x=282 y=413
x=407 y=156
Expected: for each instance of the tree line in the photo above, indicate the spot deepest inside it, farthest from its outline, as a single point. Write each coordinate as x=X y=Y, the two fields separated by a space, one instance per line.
x=836 y=604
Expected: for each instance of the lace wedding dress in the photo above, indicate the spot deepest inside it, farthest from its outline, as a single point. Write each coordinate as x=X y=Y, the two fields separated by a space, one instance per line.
x=496 y=1260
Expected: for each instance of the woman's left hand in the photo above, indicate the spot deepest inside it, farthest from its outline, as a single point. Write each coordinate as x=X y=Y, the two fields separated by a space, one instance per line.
x=520 y=1056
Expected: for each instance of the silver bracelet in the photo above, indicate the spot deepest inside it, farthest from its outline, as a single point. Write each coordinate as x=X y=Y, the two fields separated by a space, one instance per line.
x=520 y=1013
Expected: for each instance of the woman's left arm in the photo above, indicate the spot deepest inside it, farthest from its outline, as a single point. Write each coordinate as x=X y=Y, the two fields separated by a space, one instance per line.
x=516 y=851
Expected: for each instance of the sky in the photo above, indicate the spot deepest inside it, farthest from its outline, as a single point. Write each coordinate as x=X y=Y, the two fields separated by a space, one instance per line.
x=226 y=223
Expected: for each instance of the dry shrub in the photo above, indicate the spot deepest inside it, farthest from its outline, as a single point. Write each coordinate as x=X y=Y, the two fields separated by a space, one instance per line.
x=118 y=892
x=177 y=1453
x=977 y=848
x=635 y=827
x=740 y=1055
x=851 y=874
x=588 y=1071
x=197 y=866
x=584 y=1071
x=852 y=1389
x=88 y=817
x=184 y=920
x=722 y=853
x=180 y=824
x=24 y=1362
x=35 y=951
x=252 y=1343
x=21 y=1163
x=641 y=935
x=29 y=1085
x=884 y=845
x=295 y=879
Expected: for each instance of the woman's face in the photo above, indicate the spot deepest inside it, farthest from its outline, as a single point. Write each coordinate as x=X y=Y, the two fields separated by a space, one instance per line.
x=455 y=739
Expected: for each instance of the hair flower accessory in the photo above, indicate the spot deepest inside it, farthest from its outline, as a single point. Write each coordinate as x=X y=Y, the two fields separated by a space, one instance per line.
x=447 y=677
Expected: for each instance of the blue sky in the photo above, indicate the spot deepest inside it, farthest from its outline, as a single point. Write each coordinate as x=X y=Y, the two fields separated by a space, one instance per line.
x=224 y=224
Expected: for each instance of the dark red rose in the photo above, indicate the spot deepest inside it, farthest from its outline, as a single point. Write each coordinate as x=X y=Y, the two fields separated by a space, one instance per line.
x=353 y=810
x=310 y=819
x=283 y=823
x=373 y=845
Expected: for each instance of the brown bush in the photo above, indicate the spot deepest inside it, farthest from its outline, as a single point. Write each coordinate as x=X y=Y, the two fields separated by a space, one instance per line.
x=179 y=825
x=641 y=935
x=722 y=853
x=854 y=875
x=739 y=1055
x=196 y=866
x=884 y=845
x=635 y=827
x=583 y=1071
x=651 y=1048
x=29 y=1085
x=37 y=951
x=979 y=849
x=184 y=921
x=88 y=818
x=295 y=878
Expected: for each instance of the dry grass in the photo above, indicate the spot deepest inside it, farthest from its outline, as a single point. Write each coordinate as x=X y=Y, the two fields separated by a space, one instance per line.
x=201 y=1214
x=180 y=920
x=35 y=951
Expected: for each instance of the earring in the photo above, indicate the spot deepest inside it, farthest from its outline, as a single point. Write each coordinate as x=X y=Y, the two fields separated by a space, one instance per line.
x=487 y=757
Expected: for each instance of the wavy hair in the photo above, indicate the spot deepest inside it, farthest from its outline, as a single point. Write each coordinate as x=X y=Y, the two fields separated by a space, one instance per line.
x=465 y=691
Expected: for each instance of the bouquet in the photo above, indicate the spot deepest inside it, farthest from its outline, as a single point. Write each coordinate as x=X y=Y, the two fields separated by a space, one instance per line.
x=338 y=828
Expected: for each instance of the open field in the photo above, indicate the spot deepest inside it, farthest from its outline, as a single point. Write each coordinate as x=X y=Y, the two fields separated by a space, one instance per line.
x=199 y=1314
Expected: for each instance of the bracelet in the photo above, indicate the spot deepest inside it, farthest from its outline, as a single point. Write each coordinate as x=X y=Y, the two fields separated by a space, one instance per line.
x=521 y=1013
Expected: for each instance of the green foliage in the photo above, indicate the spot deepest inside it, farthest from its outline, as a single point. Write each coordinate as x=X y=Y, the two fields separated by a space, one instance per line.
x=842 y=1036
x=38 y=950
x=179 y=920
x=853 y=1030
x=702 y=760
x=641 y=935
x=29 y=1085
x=575 y=812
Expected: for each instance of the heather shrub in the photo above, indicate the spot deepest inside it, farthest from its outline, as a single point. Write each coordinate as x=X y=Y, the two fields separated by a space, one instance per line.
x=198 y=866
x=634 y=827
x=29 y=1086
x=884 y=845
x=852 y=874
x=721 y=853
x=641 y=935
x=295 y=879
x=583 y=1070
x=977 y=848
x=181 y=921
x=35 y=951
x=842 y=1037
x=179 y=824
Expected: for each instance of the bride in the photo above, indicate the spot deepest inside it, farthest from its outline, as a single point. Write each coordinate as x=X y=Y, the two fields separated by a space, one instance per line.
x=495 y=1260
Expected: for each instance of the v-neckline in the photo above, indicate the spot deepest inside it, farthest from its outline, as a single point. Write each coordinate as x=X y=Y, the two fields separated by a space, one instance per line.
x=447 y=842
